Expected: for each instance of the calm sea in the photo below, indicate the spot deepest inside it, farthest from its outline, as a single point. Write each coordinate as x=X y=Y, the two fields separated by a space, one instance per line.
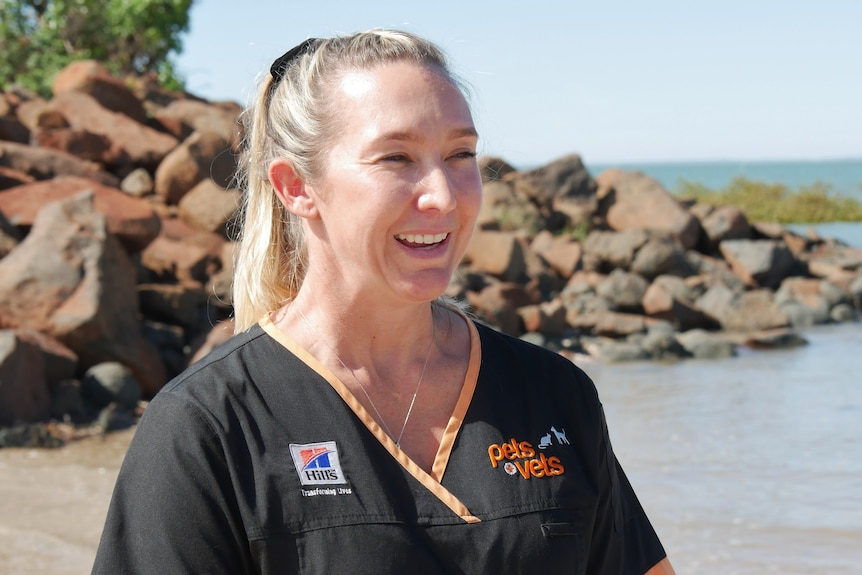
x=844 y=177
x=748 y=465
x=752 y=464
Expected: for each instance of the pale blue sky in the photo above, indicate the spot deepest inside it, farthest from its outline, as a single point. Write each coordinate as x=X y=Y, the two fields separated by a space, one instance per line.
x=615 y=81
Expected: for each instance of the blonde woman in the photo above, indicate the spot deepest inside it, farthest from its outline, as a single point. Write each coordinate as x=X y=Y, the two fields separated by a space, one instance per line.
x=357 y=423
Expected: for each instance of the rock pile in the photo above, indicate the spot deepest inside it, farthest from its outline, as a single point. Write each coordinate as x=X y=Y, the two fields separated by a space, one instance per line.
x=115 y=257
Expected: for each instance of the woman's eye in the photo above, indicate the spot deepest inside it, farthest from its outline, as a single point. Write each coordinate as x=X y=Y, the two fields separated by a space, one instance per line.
x=395 y=158
x=466 y=154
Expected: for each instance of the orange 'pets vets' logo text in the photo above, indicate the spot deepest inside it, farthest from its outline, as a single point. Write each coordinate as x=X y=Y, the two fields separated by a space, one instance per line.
x=520 y=457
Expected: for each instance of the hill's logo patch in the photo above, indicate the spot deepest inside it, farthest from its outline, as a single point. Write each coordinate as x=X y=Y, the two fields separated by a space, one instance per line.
x=317 y=463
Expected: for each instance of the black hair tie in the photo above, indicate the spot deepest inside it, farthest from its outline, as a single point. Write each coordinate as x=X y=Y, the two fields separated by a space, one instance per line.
x=280 y=65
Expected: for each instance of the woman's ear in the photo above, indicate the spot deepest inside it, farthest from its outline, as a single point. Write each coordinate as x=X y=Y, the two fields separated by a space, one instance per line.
x=291 y=190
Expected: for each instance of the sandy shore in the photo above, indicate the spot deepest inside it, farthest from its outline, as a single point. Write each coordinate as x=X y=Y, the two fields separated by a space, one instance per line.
x=53 y=504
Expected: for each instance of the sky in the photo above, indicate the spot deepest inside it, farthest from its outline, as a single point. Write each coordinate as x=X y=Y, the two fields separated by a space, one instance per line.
x=614 y=81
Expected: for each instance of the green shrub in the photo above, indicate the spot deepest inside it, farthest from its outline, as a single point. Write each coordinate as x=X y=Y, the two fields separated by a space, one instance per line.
x=760 y=201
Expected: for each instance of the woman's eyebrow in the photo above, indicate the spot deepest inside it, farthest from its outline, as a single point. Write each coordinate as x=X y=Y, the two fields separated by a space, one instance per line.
x=410 y=136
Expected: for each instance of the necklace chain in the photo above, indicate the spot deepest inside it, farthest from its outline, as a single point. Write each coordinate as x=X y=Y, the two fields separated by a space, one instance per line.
x=316 y=334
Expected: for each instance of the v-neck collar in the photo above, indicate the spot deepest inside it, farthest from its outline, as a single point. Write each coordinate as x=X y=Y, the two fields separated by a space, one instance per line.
x=433 y=480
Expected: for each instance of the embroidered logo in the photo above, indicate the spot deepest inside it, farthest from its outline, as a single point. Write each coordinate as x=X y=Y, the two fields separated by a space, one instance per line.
x=520 y=457
x=317 y=463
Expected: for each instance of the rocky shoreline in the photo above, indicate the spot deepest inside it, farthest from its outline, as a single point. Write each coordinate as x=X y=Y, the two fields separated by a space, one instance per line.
x=116 y=207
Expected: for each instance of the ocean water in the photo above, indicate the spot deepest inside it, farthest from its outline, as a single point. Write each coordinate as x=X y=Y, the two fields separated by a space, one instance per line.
x=747 y=465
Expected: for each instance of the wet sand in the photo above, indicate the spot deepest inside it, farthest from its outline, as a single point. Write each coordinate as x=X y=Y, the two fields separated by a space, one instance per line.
x=53 y=504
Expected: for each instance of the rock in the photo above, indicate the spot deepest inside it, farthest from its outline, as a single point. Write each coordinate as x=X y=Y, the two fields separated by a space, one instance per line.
x=13 y=130
x=607 y=323
x=9 y=178
x=9 y=236
x=775 y=339
x=179 y=303
x=660 y=255
x=702 y=344
x=497 y=253
x=110 y=382
x=181 y=253
x=726 y=223
x=138 y=183
x=758 y=263
x=503 y=209
x=44 y=164
x=807 y=301
x=660 y=343
x=24 y=395
x=200 y=116
x=210 y=207
x=607 y=350
x=91 y=78
x=498 y=303
x=638 y=202
x=842 y=312
x=563 y=186
x=203 y=155
x=562 y=253
x=59 y=361
x=70 y=278
x=670 y=298
x=623 y=289
x=855 y=291
x=144 y=146
x=82 y=144
x=605 y=251
x=754 y=311
x=131 y=220
x=548 y=318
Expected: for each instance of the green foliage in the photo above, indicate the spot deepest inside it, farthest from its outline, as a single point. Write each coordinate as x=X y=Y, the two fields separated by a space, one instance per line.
x=40 y=37
x=760 y=201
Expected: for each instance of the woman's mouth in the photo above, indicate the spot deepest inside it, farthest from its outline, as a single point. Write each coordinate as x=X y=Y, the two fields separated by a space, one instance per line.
x=421 y=240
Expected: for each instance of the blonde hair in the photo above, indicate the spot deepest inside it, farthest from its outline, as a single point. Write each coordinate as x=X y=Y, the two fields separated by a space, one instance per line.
x=292 y=118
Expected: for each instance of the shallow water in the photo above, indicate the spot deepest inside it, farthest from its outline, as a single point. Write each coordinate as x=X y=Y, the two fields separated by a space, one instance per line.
x=749 y=465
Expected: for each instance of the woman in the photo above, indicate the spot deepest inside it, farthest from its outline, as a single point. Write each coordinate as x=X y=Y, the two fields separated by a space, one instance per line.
x=362 y=425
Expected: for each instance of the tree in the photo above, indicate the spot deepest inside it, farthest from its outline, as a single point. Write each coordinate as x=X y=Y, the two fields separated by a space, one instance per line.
x=38 y=38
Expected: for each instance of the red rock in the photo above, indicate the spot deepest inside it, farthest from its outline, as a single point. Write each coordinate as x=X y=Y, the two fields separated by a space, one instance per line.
x=497 y=253
x=91 y=78
x=131 y=220
x=70 y=279
x=640 y=203
x=24 y=395
x=210 y=207
x=204 y=155
x=44 y=164
x=143 y=145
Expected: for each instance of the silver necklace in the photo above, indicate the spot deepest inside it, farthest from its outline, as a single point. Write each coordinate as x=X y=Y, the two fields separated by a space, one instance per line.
x=316 y=334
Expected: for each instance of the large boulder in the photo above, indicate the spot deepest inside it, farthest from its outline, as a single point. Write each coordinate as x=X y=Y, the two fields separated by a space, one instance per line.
x=726 y=223
x=637 y=202
x=72 y=280
x=210 y=207
x=44 y=164
x=144 y=146
x=192 y=115
x=24 y=394
x=500 y=254
x=92 y=78
x=670 y=298
x=202 y=155
x=758 y=263
x=564 y=186
x=607 y=250
x=129 y=219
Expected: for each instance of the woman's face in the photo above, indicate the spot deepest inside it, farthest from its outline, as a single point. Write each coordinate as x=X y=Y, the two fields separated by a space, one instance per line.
x=400 y=188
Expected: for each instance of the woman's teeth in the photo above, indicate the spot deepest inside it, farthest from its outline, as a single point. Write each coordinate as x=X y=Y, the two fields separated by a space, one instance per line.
x=428 y=239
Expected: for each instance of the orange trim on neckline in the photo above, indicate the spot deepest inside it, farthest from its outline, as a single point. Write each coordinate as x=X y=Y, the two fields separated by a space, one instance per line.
x=431 y=481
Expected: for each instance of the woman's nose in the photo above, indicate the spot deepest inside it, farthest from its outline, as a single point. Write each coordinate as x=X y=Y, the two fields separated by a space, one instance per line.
x=438 y=191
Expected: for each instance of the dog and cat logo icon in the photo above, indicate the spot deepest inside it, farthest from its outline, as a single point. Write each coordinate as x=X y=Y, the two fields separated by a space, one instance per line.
x=521 y=458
